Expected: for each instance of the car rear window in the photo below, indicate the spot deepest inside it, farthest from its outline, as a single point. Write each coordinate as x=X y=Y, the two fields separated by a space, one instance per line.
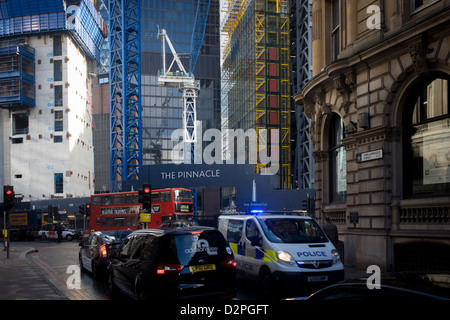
x=188 y=249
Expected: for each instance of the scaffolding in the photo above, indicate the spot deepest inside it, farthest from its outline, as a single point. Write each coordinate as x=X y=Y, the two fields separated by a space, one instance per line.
x=17 y=74
x=303 y=169
x=79 y=17
x=125 y=92
x=256 y=75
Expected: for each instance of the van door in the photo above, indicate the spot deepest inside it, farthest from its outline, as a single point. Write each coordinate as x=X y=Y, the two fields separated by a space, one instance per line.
x=252 y=242
x=233 y=234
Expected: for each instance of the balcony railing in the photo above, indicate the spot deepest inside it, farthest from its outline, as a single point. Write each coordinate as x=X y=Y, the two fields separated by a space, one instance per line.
x=431 y=215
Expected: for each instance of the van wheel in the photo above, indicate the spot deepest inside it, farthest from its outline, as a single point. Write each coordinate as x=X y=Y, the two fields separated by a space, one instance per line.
x=69 y=237
x=266 y=281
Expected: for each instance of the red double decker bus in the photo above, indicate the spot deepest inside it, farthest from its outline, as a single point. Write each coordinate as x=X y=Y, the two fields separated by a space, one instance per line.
x=122 y=211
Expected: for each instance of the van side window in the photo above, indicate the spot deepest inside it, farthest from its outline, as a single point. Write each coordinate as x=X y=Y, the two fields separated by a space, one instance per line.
x=251 y=230
x=234 y=230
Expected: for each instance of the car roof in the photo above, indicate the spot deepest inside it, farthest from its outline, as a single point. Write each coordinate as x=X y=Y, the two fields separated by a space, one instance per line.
x=185 y=230
x=269 y=215
x=431 y=284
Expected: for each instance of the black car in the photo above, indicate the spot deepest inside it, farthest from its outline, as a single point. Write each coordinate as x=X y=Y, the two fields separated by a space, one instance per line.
x=193 y=262
x=94 y=252
x=392 y=287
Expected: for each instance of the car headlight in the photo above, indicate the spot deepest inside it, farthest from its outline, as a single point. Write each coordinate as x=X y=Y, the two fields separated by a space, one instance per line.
x=335 y=256
x=285 y=257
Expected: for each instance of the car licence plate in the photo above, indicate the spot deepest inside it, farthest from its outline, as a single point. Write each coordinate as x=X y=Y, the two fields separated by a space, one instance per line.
x=317 y=278
x=202 y=267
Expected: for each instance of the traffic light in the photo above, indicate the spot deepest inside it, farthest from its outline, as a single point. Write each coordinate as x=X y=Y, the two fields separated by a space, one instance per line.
x=88 y=209
x=146 y=194
x=8 y=197
x=81 y=209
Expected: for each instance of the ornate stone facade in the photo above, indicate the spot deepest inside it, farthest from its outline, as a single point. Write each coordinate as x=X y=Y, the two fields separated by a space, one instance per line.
x=369 y=85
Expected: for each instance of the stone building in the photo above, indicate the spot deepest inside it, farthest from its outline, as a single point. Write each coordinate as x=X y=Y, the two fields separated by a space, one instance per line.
x=380 y=128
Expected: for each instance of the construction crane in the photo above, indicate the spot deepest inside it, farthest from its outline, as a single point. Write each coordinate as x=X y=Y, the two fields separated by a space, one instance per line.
x=199 y=31
x=186 y=83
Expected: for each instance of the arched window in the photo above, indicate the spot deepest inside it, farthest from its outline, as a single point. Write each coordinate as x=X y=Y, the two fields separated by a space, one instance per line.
x=338 y=161
x=426 y=156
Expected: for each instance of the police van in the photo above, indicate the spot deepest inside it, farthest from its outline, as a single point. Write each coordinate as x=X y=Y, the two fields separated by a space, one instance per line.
x=281 y=251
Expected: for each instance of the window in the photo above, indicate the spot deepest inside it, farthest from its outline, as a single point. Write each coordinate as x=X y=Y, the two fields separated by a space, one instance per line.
x=234 y=230
x=58 y=96
x=251 y=230
x=57 y=45
x=59 y=183
x=119 y=199
x=96 y=201
x=419 y=3
x=165 y=196
x=57 y=70
x=57 y=139
x=59 y=120
x=335 y=30
x=183 y=195
x=106 y=200
x=155 y=197
x=338 y=161
x=426 y=156
x=20 y=123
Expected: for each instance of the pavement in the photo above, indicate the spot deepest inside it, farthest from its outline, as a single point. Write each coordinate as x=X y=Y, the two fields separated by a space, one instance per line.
x=21 y=279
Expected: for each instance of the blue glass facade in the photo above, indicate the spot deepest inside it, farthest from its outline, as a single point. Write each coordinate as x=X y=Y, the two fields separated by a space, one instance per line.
x=162 y=107
x=77 y=16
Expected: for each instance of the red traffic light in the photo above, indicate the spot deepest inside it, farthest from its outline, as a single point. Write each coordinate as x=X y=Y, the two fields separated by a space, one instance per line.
x=88 y=206
x=147 y=190
x=8 y=197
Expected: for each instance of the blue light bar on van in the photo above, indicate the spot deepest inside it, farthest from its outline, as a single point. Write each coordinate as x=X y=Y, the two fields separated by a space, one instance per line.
x=256 y=211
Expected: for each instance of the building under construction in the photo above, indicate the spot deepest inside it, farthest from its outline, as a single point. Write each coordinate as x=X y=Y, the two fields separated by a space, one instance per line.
x=256 y=75
x=49 y=50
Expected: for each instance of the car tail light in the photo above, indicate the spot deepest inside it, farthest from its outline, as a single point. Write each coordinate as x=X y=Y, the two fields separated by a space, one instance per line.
x=168 y=268
x=103 y=251
x=229 y=263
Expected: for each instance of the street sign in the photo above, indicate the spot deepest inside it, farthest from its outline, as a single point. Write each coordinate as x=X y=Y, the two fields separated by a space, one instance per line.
x=368 y=156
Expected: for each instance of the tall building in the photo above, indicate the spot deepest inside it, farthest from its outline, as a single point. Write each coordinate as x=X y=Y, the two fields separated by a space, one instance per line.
x=157 y=111
x=379 y=108
x=48 y=52
x=162 y=107
x=256 y=76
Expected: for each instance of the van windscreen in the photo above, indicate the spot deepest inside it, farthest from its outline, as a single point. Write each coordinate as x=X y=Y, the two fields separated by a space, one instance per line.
x=286 y=230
